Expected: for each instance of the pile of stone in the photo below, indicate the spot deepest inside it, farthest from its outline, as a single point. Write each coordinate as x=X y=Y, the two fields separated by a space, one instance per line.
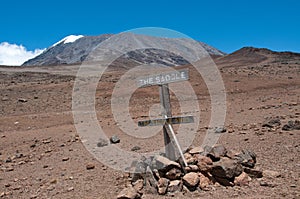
x=205 y=168
x=275 y=123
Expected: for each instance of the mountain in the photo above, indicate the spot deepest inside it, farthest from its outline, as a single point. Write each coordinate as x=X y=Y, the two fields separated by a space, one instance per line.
x=75 y=49
x=251 y=55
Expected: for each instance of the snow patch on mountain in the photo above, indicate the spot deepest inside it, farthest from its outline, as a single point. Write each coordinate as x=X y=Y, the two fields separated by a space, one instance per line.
x=68 y=39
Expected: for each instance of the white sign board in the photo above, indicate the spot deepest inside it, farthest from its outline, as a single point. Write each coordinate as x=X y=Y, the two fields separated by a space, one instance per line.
x=164 y=78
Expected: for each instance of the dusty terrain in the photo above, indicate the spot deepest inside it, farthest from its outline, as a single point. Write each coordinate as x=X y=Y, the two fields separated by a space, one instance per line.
x=41 y=155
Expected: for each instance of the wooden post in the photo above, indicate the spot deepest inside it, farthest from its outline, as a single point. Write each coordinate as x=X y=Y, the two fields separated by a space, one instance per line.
x=171 y=143
x=166 y=112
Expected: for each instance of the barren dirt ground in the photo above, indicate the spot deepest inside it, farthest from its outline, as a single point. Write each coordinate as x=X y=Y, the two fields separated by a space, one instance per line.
x=41 y=155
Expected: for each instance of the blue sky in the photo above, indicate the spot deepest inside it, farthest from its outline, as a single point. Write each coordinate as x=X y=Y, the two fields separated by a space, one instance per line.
x=226 y=25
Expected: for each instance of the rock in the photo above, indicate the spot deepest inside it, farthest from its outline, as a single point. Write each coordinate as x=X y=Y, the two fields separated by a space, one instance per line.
x=226 y=168
x=47 y=141
x=265 y=184
x=135 y=148
x=162 y=186
x=53 y=181
x=23 y=100
x=140 y=168
x=192 y=168
x=207 y=150
x=8 y=160
x=90 y=166
x=187 y=156
x=156 y=174
x=272 y=123
x=8 y=169
x=5 y=99
x=65 y=159
x=17 y=187
x=102 y=142
x=291 y=125
x=217 y=152
x=253 y=173
x=114 y=139
x=150 y=184
x=151 y=180
x=174 y=174
x=220 y=130
x=175 y=186
x=242 y=180
x=138 y=185
x=164 y=163
x=191 y=180
x=51 y=188
x=247 y=158
x=232 y=153
x=205 y=182
x=271 y=174
x=196 y=150
x=230 y=130
x=191 y=161
x=33 y=196
x=224 y=181
x=129 y=193
x=204 y=163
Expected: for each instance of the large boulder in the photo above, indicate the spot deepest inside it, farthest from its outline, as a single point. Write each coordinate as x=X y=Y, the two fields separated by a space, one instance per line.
x=163 y=163
x=226 y=168
x=217 y=152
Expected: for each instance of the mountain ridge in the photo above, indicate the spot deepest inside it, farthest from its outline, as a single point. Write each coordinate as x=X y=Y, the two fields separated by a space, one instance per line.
x=76 y=52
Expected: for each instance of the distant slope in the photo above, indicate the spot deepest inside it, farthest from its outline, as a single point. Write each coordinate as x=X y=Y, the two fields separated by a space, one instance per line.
x=77 y=48
x=251 y=55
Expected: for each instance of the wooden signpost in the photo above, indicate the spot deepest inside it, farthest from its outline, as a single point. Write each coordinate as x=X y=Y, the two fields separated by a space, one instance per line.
x=162 y=80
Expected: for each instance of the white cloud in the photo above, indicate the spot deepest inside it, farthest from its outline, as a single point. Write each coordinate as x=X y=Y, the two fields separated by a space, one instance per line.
x=15 y=55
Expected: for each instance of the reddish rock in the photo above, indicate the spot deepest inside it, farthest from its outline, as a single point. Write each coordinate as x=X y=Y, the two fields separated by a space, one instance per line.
x=192 y=168
x=271 y=174
x=174 y=174
x=138 y=185
x=129 y=193
x=191 y=161
x=204 y=163
x=187 y=156
x=90 y=166
x=196 y=150
x=162 y=186
x=191 y=180
x=175 y=186
x=242 y=180
x=205 y=182
x=232 y=153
